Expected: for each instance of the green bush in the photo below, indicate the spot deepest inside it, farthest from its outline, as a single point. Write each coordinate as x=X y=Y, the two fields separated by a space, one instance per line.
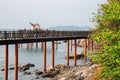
x=109 y=55
x=108 y=37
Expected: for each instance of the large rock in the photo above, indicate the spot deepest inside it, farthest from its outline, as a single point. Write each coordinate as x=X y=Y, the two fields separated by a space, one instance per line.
x=2 y=69
x=37 y=72
x=50 y=74
x=23 y=68
x=26 y=67
x=29 y=65
x=80 y=42
x=61 y=66
x=79 y=55
x=27 y=73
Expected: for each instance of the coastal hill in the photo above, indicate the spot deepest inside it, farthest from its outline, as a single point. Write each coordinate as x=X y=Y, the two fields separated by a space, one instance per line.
x=70 y=28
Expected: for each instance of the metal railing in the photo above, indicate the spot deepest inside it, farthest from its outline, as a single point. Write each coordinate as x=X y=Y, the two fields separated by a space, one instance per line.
x=32 y=34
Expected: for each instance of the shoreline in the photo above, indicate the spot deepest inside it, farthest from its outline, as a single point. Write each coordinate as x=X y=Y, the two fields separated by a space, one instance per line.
x=63 y=72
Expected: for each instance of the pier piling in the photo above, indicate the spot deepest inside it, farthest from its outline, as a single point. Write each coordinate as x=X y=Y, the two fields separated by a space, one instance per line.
x=44 y=56
x=16 y=62
x=6 y=62
x=67 y=53
x=85 y=49
x=75 y=50
x=71 y=45
x=53 y=54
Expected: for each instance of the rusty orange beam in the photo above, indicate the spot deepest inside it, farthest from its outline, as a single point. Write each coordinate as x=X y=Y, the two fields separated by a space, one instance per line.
x=16 y=62
x=67 y=53
x=6 y=62
x=53 y=54
x=85 y=49
x=44 y=56
x=75 y=50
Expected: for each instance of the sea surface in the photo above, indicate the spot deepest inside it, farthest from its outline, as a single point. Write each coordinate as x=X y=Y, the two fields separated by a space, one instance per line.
x=35 y=56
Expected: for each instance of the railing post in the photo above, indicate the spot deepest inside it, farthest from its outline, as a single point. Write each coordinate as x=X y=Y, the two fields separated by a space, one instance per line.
x=67 y=57
x=52 y=54
x=85 y=50
x=16 y=63
x=75 y=50
x=6 y=62
x=44 y=56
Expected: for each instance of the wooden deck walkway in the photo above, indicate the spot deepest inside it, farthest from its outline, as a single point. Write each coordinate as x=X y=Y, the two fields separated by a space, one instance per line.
x=26 y=36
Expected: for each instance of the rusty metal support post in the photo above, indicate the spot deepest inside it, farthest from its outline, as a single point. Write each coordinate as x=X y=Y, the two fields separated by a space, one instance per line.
x=67 y=57
x=92 y=45
x=88 y=44
x=18 y=45
x=71 y=45
x=27 y=45
x=56 y=44
x=41 y=45
x=75 y=50
x=44 y=56
x=85 y=49
x=53 y=54
x=16 y=63
x=36 y=44
x=21 y=44
x=6 y=62
x=31 y=45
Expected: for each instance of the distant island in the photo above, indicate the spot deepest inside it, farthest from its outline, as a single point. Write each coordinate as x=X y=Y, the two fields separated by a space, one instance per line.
x=70 y=28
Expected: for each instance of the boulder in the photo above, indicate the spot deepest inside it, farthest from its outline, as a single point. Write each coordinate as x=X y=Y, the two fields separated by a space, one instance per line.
x=60 y=66
x=23 y=68
x=50 y=68
x=2 y=69
x=78 y=55
x=27 y=73
x=46 y=74
x=80 y=42
x=29 y=65
x=12 y=68
x=37 y=72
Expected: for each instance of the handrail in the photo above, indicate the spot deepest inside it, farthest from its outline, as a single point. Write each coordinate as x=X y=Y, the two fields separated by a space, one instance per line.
x=32 y=34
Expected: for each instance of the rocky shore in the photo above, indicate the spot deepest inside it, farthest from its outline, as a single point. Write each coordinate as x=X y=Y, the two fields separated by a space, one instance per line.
x=77 y=72
x=62 y=72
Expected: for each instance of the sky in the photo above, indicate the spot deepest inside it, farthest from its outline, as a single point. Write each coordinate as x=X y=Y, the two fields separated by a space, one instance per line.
x=16 y=14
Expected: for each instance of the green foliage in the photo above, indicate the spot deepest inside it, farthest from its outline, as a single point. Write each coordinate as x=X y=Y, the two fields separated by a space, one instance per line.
x=108 y=15
x=109 y=55
x=108 y=37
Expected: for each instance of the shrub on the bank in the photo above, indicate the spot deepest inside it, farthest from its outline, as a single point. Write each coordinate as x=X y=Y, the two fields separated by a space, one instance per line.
x=109 y=54
x=108 y=37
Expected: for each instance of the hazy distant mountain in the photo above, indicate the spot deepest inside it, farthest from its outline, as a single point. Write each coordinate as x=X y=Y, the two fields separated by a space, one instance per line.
x=70 y=28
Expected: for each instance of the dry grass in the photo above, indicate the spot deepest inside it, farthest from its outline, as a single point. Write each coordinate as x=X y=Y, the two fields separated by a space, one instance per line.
x=96 y=73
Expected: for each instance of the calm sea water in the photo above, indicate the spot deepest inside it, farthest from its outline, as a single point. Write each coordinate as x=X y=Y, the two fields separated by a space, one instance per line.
x=34 y=56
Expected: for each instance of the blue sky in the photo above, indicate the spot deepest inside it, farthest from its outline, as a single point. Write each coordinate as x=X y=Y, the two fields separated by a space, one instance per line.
x=15 y=14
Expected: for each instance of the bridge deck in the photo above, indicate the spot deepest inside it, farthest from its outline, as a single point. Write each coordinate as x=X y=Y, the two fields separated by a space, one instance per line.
x=27 y=36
